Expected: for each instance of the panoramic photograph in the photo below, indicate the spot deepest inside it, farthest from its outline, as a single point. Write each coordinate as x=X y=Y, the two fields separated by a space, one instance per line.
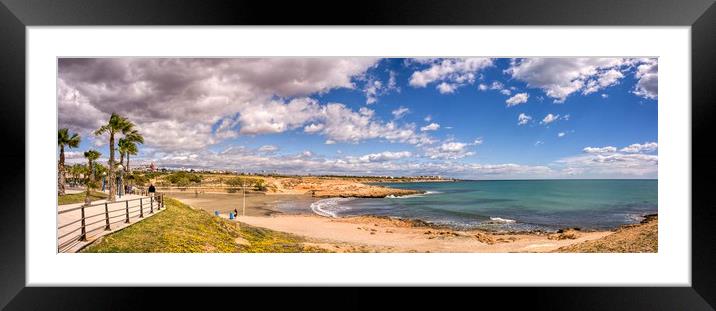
x=357 y=155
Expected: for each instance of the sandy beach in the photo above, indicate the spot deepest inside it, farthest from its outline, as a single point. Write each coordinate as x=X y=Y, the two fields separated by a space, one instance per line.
x=289 y=210
x=374 y=234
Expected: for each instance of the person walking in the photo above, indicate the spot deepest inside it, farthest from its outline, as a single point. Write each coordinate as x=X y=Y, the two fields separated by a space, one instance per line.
x=152 y=190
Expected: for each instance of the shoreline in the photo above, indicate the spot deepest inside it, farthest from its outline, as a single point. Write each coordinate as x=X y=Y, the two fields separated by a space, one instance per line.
x=384 y=234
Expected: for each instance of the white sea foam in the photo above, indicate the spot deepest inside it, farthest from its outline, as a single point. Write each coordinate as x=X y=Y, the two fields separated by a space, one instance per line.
x=502 y=220
x=412 y=195
x=329 y=207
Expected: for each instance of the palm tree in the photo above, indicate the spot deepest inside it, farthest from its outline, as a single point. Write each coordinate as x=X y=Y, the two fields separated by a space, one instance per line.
x=116 y=124
x=91 y=155
x=131 y=140
x=64 y=138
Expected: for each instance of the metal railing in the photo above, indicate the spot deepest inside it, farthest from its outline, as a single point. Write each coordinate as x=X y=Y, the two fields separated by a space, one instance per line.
x=133 y=208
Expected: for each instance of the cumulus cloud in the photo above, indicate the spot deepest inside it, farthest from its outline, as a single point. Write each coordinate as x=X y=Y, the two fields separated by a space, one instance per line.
x=451 y=150
x=549 y=118
x=523 y=119
x=277 y=117
x=647 y=74
x=560 y=77
x=374 y=88
x=561 y=134
x=192 y=92
x=380 y=157
x=638 y=148
x=611 y=164
x=268 y=149
x=519 y=98
x=400 y=112
x=607 y=149
x=452 y=73
x=430 y=127
x=447 y=88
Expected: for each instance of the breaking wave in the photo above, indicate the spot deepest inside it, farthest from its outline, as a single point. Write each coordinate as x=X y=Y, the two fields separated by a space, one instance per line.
x=329 y=207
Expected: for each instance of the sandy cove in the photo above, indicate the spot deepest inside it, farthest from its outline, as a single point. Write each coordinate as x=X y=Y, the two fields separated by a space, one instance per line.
x=377 y=234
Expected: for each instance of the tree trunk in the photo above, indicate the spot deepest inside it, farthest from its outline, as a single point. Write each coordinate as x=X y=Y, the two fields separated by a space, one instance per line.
x=61 y=172
x=126 y=168
x=112 y=181
x=90 y=179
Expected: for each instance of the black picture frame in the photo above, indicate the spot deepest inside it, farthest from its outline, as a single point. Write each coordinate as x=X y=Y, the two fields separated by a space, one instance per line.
x=15 y=15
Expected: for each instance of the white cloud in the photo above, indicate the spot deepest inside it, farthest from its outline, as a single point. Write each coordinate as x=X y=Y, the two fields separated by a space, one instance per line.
x=449 y=151
x=561 y=134
x=345 y=125
x=605 y=95
x=313 y=128
x=400 y=112
x=482 y=87
x=523 y=119
x=184 y=93
x=549 y=118
x=374 y=88
x=603 y=80
x=638 y=148
x=430 y=127
x=446 y=88
x=371 y=91
x=560 y=77
x=268 y=149
x=428 y=118
x=611 y=164
x=277 y=117
x=506 y=92
x=453 y=73
x=607 y=149
x=519 y=98
x=380 y=157
x=648 y=75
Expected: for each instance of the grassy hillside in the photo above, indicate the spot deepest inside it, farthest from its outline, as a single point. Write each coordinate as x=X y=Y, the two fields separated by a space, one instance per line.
x=181 y=229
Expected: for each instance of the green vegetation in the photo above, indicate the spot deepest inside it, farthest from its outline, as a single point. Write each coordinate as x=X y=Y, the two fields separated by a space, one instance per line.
x=181 y=229
x=128 y=146
x=70 y=140
x=116 y=125
x=183 y=179
x=257 y=183
x=79 y=197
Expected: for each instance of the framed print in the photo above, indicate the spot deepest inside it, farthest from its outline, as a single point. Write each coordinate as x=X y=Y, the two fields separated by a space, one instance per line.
x=425 y=145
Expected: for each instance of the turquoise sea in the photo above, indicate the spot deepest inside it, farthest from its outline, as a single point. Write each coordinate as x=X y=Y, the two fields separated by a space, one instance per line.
x=511 y=205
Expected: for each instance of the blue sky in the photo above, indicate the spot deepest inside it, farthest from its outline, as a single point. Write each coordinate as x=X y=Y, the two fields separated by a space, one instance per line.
x=468 y=118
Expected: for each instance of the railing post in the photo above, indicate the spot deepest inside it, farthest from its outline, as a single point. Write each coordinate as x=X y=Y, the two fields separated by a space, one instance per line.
x=162 y=200
x=126 y=209
x=151 y=201
x=106 y=217
x=83 y=235
x=151 y=209
x=141 y=209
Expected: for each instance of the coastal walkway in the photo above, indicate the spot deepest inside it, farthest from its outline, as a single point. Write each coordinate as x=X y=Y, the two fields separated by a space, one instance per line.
x=79 y=225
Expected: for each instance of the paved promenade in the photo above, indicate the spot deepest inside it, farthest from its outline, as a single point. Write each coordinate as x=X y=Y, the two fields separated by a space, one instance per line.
x=69 y=219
